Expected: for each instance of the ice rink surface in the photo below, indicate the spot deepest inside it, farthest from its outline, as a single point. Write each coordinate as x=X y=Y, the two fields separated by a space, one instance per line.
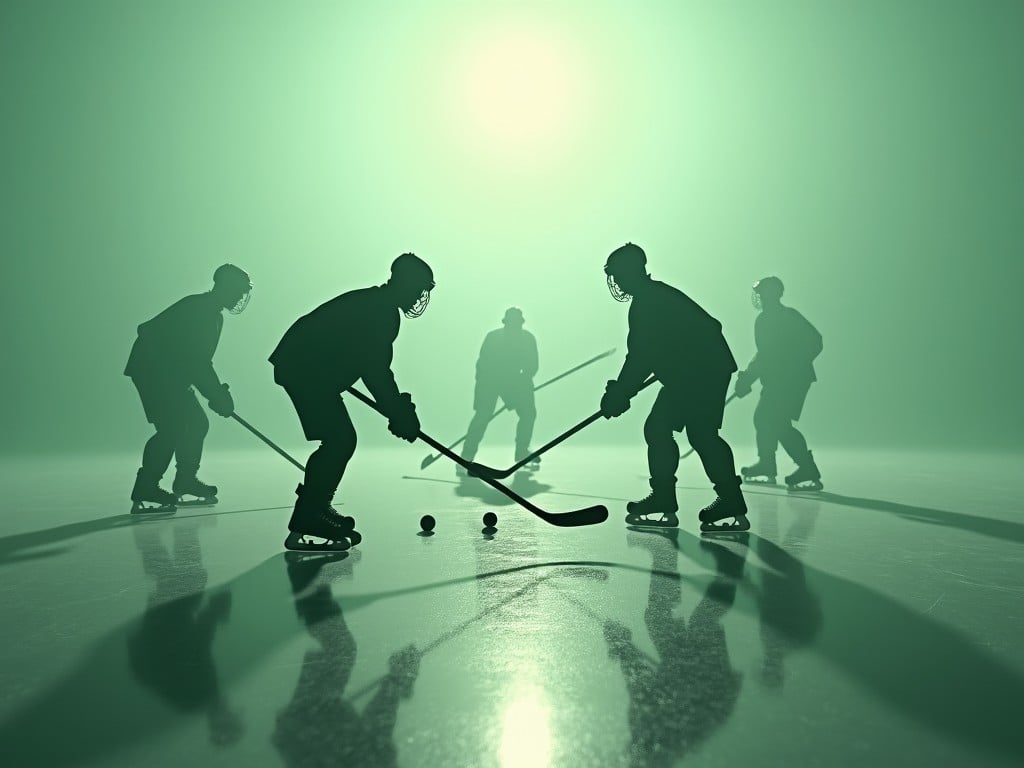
x=878 y=623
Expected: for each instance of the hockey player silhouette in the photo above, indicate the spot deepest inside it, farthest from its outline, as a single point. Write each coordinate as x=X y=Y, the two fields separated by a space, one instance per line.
x=320 y=356
x=505 y=368
x=784 y=362
x=682 y=345
x=172 y=354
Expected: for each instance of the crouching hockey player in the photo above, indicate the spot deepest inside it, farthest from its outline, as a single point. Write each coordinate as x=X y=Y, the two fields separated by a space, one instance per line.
x=683 y=346
x=172 y=354
x=322 y=354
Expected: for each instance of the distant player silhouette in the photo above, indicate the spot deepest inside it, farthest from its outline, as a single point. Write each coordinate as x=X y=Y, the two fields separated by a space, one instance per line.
x=172 y=354
x=505 y=368
x=787 y=345
x=320 y=356
x=682 y=345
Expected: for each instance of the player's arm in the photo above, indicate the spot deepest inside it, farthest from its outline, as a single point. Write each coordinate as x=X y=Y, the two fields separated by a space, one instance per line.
x=484 y=361
x=401 y=413
x=813 y=341
x=638 y=364
x=203 y=344
x=379 y=378
x=635 y=369
x=531 y=363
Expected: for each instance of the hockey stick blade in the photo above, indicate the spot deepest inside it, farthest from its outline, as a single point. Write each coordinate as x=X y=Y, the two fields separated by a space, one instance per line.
x=572 y=519
x=578 y=517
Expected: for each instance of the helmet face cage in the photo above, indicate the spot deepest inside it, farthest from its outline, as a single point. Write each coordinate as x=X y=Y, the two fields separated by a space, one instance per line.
x=755 y=299
x=617 y=293
x=242 y=303
x=420 y=306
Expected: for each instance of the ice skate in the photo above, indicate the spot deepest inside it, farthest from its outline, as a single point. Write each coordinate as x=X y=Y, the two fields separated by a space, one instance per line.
x=762 y=472
x=191 y=492
x=150 y=498
x=806 y=478
x=317 y=527
x=655 y=509
x=729 y=507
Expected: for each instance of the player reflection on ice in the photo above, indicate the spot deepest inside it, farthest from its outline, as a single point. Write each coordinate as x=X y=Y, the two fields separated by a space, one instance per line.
x=678 y=700
x=318 y=726
x=172 y=652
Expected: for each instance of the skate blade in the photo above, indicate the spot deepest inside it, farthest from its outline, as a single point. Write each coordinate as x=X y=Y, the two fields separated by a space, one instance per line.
x=197 y=502
x=740 y=523
x=810 y=487
x=639 y=522
x=759 y=481
x=140 y=508
x=301 y=542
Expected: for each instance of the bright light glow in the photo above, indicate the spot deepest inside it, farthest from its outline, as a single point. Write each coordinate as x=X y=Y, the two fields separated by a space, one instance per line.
x=518 y=90
x=526 y=729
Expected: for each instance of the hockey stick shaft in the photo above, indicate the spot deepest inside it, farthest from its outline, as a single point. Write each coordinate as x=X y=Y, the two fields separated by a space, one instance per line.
x=434 y=457
x=548 y=446
x=728 y=400
x=266 y=440
x=577 y=517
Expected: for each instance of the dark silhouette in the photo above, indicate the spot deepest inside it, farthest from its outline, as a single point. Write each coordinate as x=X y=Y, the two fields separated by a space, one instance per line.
x=676 y=701
x=171 y=652
x=505 y=368
x=787 y=345
x=172 y=354
x=318 y=727
x=324 y=353
x=682 y=345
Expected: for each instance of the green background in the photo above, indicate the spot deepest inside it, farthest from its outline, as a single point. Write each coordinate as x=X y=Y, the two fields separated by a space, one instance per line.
x=868 y=153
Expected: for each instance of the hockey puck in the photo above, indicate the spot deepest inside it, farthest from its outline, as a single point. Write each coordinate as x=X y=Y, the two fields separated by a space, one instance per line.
x=490 y=519
x=427 y=523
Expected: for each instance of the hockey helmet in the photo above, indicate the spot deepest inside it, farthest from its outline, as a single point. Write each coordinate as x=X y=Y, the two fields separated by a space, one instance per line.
x=625 y=261
x=766 y=290
x=233 y=282
x=413 y=276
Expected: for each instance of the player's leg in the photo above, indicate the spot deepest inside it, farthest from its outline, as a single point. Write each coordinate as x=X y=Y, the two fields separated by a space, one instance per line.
x=766 y=431
x=325 y=418
x=807 y=475
x=194 y=425
x=703 y=421
x=660 y=506
x=484 y=401
x=147 y=495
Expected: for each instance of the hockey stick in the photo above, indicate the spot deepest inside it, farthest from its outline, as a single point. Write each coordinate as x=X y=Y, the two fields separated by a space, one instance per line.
x=577 y=517
x=483 y=471
x=728 y=400
x=266 y=439
x=434 y=457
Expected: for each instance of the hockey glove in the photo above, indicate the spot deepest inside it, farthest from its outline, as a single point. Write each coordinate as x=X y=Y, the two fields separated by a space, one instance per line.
x=615 y=401
x=743 y=384
x=222 y=403
x=403 y=422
